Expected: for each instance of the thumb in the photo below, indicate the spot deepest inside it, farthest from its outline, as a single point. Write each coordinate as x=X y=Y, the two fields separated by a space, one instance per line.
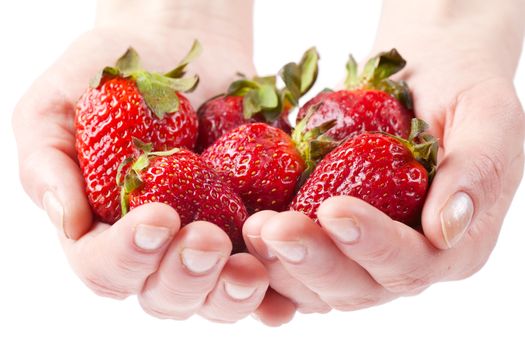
x=483 y=147
x=48 y=170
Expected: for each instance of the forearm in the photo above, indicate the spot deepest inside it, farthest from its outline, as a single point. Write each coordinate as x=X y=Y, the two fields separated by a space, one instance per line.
x=492 y=29
x=225 y=18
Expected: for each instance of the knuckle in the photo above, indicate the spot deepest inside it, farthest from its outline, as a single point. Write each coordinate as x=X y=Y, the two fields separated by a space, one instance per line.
x=487 y=173
x=163 y=308
x=354 y=303
x=130 y=266
x=381 y=255
x=314 y=308
x=472 y=269
x=101 y=287
x=408 y=283
x=167 y=315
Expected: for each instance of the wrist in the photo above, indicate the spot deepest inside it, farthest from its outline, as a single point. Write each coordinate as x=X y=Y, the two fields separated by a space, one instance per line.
x=473 y=29
x=229 y=19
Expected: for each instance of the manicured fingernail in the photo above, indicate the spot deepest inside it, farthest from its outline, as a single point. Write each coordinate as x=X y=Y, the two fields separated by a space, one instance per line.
x=345 y=230
x=261 y=248
x=455 y=217
x=54 y=210
x=198 y=261
x=291 y=251
x=238 y=292
x=149 y=237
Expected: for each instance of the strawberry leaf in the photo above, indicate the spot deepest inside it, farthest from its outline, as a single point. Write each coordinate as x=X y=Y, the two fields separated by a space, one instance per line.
x=309 y=69
x=352 y=79
x=128 y=63
x=106 y=71
x=382 y=66
x=291 y=76
x=158 y=95
x=241 y=87
x=180 y=70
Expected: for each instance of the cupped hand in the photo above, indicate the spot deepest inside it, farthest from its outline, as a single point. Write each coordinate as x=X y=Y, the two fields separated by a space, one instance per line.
x=176 y=272
x=358 y=257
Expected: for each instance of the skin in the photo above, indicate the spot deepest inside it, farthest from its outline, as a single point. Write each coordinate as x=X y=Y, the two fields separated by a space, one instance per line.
x=461 y=67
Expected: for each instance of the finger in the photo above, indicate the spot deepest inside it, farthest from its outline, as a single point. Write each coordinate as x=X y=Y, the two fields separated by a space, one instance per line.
x=310 y=256
x=483 y=140
x=275 y=309
x=115 y=261
x=188 y=273
x=47 y=162
x=399 y=258
x=239 y=291
x=307 y=301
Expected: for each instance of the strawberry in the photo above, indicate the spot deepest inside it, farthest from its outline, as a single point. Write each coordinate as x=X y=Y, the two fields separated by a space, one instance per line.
x=126 y=101
x=389 y=172
x=260 y=162
x=183 y=180
x=369 y=102
x=257 y=100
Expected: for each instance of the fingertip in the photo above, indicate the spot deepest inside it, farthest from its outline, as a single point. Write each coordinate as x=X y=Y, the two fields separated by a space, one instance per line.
x=445 y=224
x=275 y=309
x=206 y=236
x=254 y=223
x=58 y=189
x=286 y=226
x=347 y=207
x=244 y=268
x=154 y=214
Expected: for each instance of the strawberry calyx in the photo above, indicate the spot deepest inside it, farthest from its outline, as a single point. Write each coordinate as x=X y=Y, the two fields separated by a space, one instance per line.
x=261 y=95
x=423 y=146
x=158 y=90
x=313 y=144
x=131 y=180
x=376 y=73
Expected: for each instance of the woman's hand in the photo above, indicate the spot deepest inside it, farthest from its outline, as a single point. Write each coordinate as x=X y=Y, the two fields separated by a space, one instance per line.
x=461 y=61
x=176 y=272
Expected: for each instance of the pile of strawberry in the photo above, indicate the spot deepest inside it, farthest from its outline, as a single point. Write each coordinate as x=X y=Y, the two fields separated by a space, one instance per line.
x=139 y=140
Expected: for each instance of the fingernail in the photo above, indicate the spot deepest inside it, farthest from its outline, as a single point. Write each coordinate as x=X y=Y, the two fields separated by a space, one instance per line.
x=291 y=251
x=54 y=210
x=149 y=237
x=455 y=217
x=198 y=261
x=261 y=248
x=238 y=292
x=345 y=230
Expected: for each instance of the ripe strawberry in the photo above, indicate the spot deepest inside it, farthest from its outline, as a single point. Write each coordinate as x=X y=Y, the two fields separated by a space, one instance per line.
x=182 y=179
x=257 y=100
x=126 y=101
x=260 y=163
x=386 y=171
x=370 y=102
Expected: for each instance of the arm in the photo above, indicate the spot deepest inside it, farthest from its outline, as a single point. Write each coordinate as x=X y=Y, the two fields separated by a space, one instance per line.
x=461 y=57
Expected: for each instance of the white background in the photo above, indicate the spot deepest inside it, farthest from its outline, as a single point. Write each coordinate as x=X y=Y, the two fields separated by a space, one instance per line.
x=43 y=304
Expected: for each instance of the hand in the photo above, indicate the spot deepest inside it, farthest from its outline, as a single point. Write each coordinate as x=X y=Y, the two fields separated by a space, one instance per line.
x=461 y=75
x=175 y=272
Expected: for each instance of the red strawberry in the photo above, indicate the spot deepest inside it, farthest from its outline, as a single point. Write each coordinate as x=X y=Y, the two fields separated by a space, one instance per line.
x=370 y=102
x=182 y=179
x=257 y=100
x=126 y=101
x=260 y=162
x=386 y=171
